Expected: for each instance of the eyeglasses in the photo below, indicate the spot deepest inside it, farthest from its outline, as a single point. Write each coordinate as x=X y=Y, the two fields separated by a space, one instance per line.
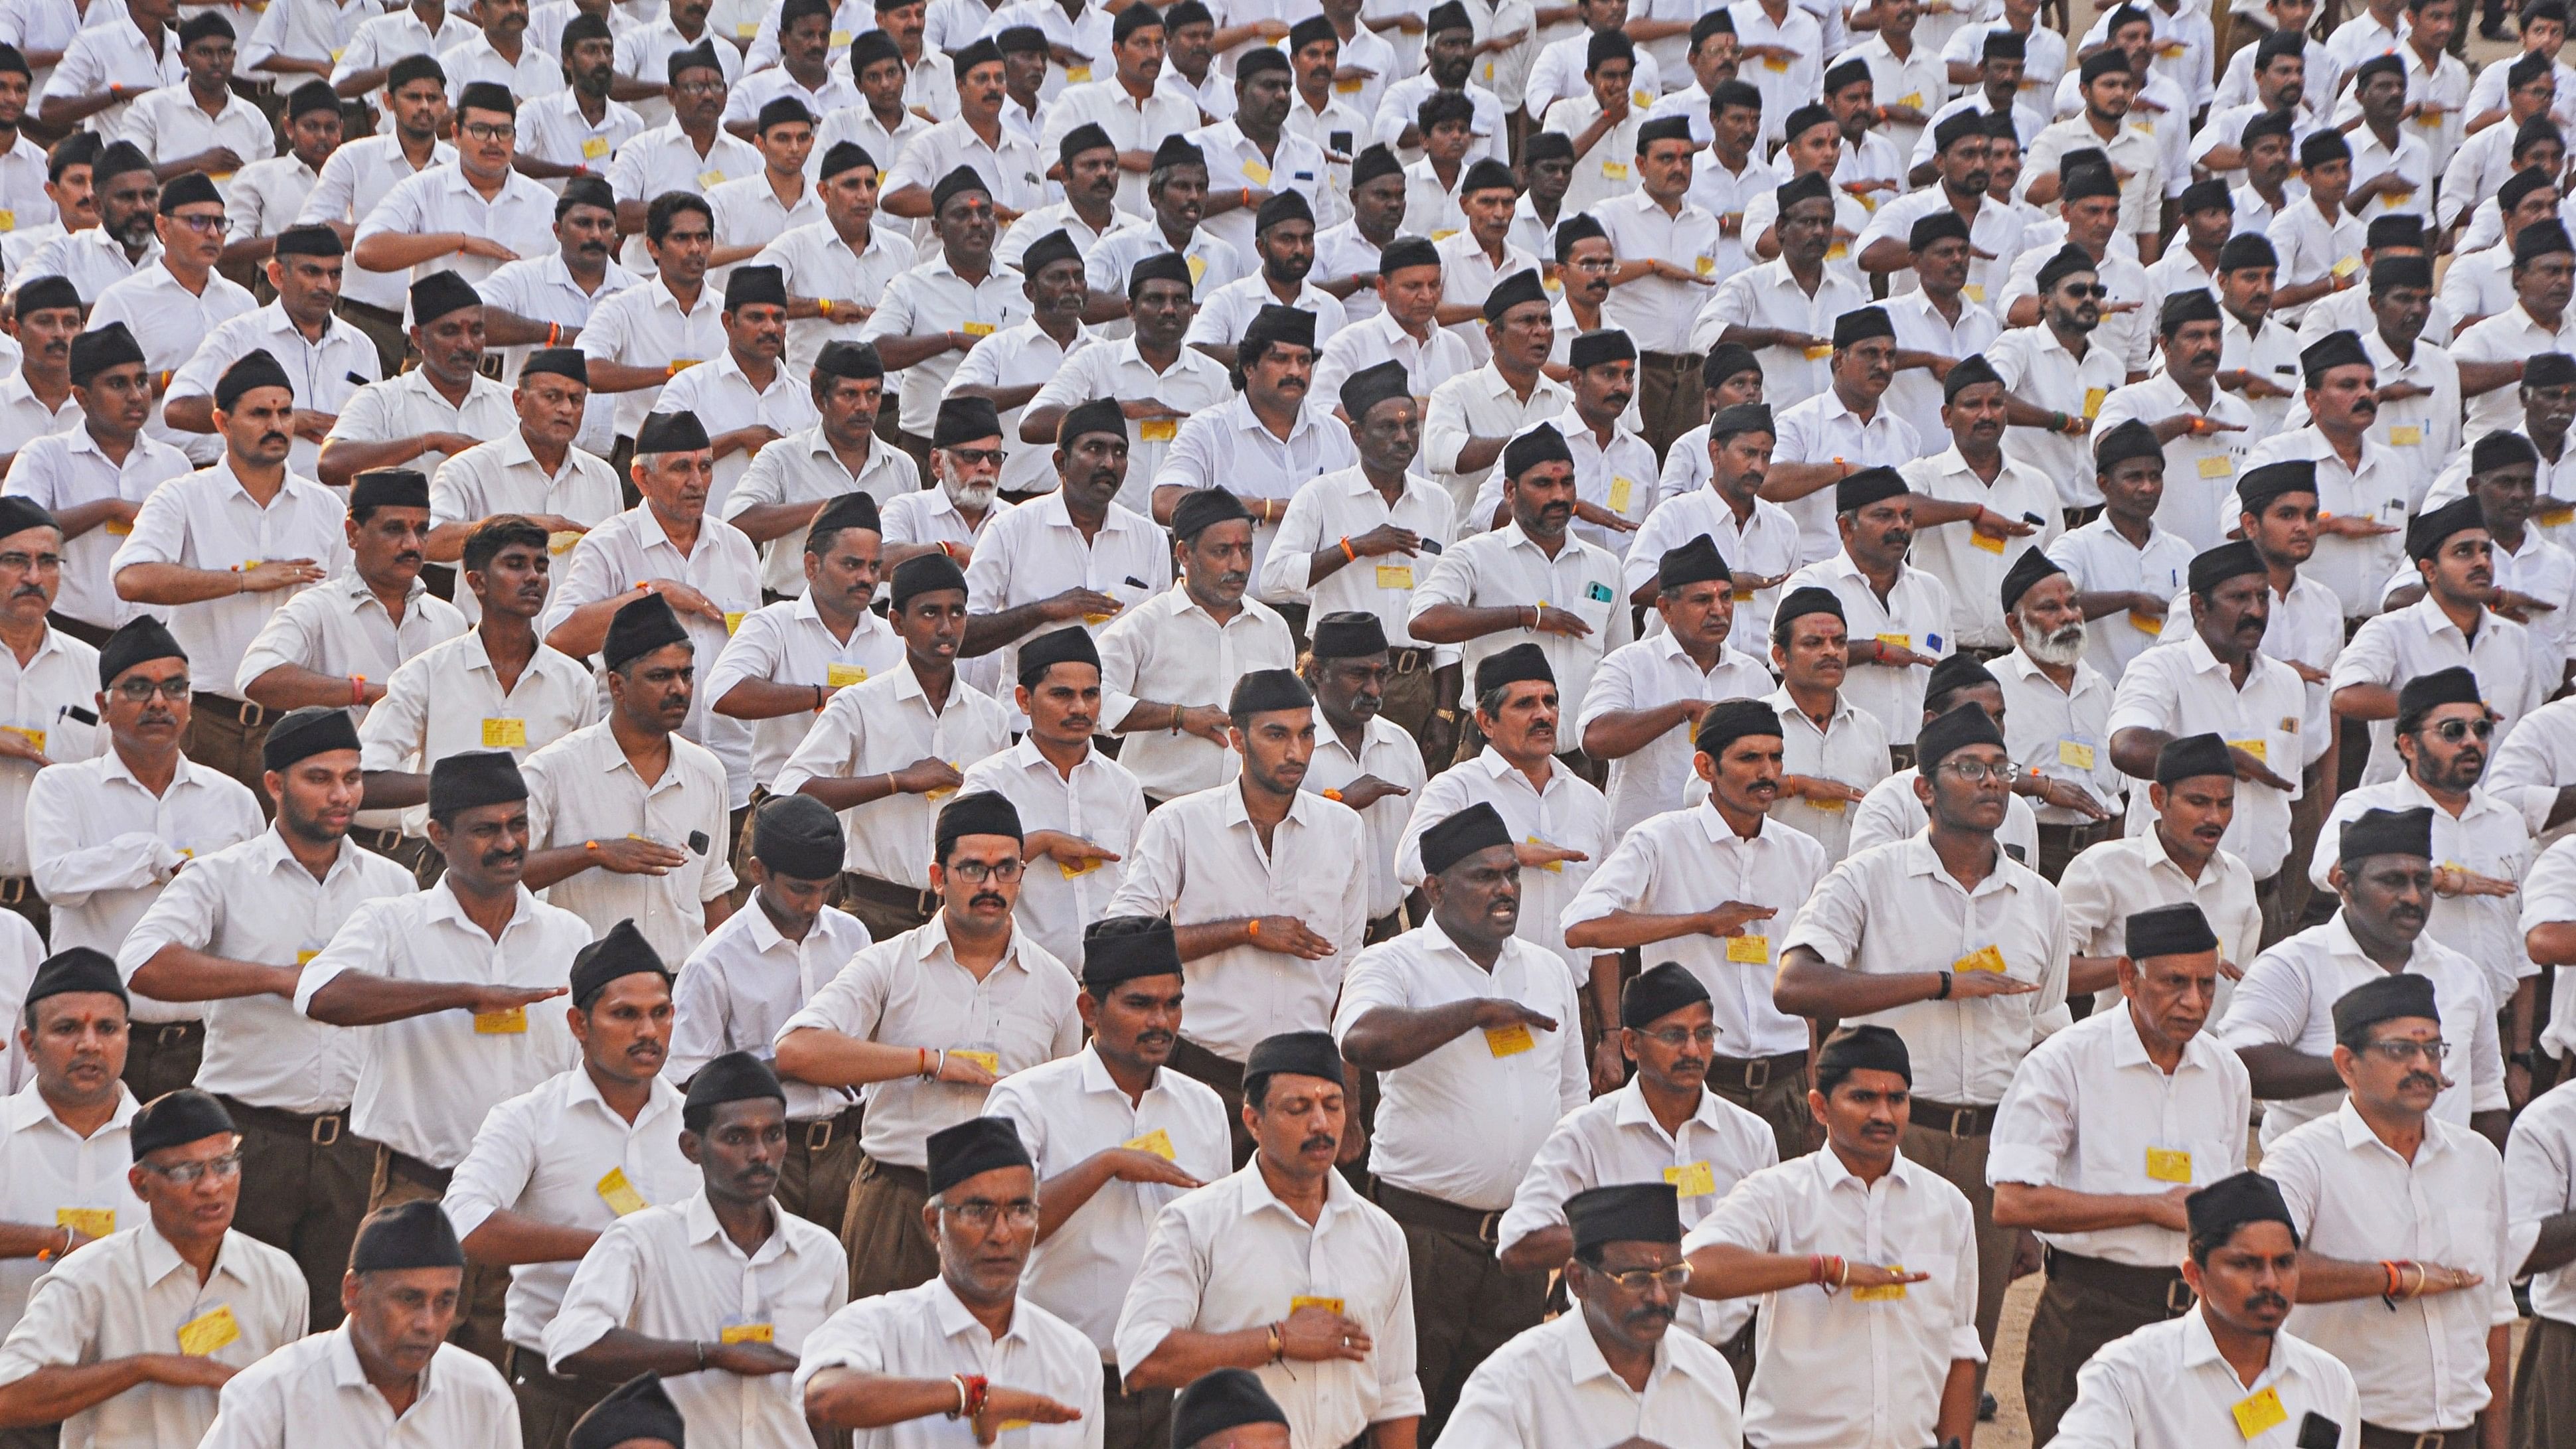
x=2402 y=1050
x=1636 y=1280
x=700 y=88
x=140 y=691
x=184 y=1174
x=2452 y=731
x=976 y=872
x=486 y=131
x=1677 y=1037
x=980 y=1212
x=19 y=563
x=976 y=457
x=2079 y=292
x=201 y=224
x=1977 y=772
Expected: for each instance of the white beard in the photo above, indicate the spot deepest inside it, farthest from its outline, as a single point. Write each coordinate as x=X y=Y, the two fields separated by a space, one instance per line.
x=2061 y=649
x=974 y=498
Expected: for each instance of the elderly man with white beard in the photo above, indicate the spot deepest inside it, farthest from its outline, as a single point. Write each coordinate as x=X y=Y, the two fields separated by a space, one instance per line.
x=950 y=515
x=2057 y=710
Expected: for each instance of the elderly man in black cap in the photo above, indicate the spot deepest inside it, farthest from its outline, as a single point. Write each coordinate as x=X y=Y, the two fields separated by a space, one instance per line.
x=1627 y=1274
x=1271 y=922
x=880 y=751
x=55 y=673
x=106 y=835
x=627 y=817
x=173 y=301
x=1080 y=555
x=304 y=272
x=637 y=1414
x=1904 y=611
x=2056 y=709
x=2407 y=1258
x=897 y=1019
x=1452 y=1013
x=761 y=967
x=1166 y=664
x=1114 y=1137
x=778 y=497
x=2281 y=1018
x=2179 y=859
x=2227 y=1364
x=1151 y=376
x=218 y=576
x=551 y=1168
x=1317 y=1299
x=1083 y=810
x=95 y=1347
x=2219 y=681
x=233 y=931
x=932 y=315
x=64 y=1147
x=1893 y=1263
x=1647 y=697
x=401 y=1293
x=1994 y=935
x=1362 y=758
x=746 y=397
x=535 y=471
x=1710 y=886
x=2363 y=487
x=716 y=1291
x=896 y=1357
x=421 y=418
x=2103 y=1183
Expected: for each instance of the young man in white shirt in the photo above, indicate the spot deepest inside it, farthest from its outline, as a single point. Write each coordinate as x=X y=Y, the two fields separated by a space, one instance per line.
x=1648 y=696
x=437 y=410
x=1905 y=611
x=2122 y=563
x=63 y=1140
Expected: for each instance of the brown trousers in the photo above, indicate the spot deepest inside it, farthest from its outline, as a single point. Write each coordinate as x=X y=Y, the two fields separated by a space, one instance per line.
x=889 y=1249
x=162 y=1056
x=1782 y=1104
x=1961 y=1161
x=383 y=328
x=1464 y=1307
x=309 y=1191
x=2544 y=1387
x=1139 y=1420
x=228 y=747
x=549 y=1405
x=815 y=1185
x=486 y=1288
x=2086 y=1304
x=1670 y=398
x=883 y=921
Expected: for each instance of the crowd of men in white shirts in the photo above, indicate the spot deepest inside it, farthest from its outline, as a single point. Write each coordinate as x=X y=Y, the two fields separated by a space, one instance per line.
x=1268 y=726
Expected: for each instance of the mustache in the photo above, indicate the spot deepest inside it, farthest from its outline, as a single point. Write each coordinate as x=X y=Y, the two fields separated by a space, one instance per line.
x=2421 y=1079
x=1324 y=1140
x=2268 y=1299
x=981 y=897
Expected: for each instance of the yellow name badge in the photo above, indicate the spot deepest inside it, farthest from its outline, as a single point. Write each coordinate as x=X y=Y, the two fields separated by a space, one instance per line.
x=1692 y=1179
x=561 y=541
x=1077 y=74
x=1837 y=252
x=1198 y=270
x=747 y=29
x=594 y=148
x=1974 y=292
x=1614 y=170
x=2093 y=397
x=2396 y=199
x=513 y=1022
x=305 y=958
x=1990 y=545
x=1257 y=173
x=8 y=221
x=2146 y=623
x=2547 y=517
x=1820 y=352
x=840 y=40
x=2075 y=754
x=2258 y=1413
x=1556 y=867
x=2218 y=466
x=1911 y=98
x=747 y=1333
x=1158 y=430
x=1774 y=63
x=1830 y=807
x=88 y=1222
x=711 y=177
x=1308 y=1300
x=1347 y=87
x=2251 y=747
x=1742 y=594
x=2168 y=1164
x=1439 y=234
x=989 y=1061
x=1391 y=576
x=976 y=329
x=118 y=527
x=734 y=618
x=1897 y=641
x=2346 y=266
x=1641 y=99
x=1705 y=266
x=32 y=737
x=1622 y=492
x=1984 y=958
x=505 y=734
x=682 y=364
x=208 y=1331
x=843 y=675
x=1509 y=1041
x=1884 y=1292
x=2407 y=435
x=1157 y=1142
x=619 y=1194
x=1749 y=950
x=1076 y=869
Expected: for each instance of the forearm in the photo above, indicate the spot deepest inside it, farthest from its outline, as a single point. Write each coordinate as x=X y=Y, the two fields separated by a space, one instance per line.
x=58 y=1391
x=768 y=699
x=1788 y=482
x=1480 y=453
x=398 y=251
x=606 y=376
x=65 y=113
x=1149 y=715
x=505 y=328
x=902 y=352
x=343 y=459
x=2094 y=604
x=988 y=632
x=292 y=686
x=1004 y=399
x=849 y=792
x=1623 y=732
x=1388 y=1037
x=2556 y=1245
x=847 y=1399
x=182 y=973
x=1723 y=1270
x=1183 y=1357
x=2485 y=377
x=2337 y=1280
x=556 y=864
x=174 y=584
x=1541 y=1251
x=190 y=414
x=1958 y=1418
x=1808 y=986
x=2088 y=974
x=2062 y=1210
x=585 y=629
x=823 y=1058
x=1458 y=623
x=2284 y=1071
x=394 y=790
x=80 y=518
x=1206 y=938
x=622 y=1353
x=362 y=998
x=507 y=1239
x=1627 y=930
x=1063 y=1195
x=2365 y=701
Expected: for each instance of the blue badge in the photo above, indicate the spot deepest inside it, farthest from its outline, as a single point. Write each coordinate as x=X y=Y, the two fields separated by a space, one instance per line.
x=1597 y=593
x=1933 y=640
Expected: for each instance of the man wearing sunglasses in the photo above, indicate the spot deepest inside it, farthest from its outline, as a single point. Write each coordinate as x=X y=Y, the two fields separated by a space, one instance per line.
x=172 y=303
x=2445 y=735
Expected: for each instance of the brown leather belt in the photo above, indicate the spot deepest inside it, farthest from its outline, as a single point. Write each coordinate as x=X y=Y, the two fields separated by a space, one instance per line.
x=167 y=1033
x=1674 y=361
x=2077 y=837
x=911 y=1177
x=1439 y=1216
x=17 y=890
x=819 y=1134
x=1406 y=661
x=2120 y=1280
x=382 y=842
x=380 y=314
x=418 y=1173
x=1957 y=1121
x=322 y=1130
x=2375 y=1437
x=1752 y=1074
x=884 y=892
x=250 y=716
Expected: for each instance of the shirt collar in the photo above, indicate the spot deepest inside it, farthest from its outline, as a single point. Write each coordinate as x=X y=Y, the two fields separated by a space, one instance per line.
x=439 y=903
x=27 y=1107
x=700 y=1217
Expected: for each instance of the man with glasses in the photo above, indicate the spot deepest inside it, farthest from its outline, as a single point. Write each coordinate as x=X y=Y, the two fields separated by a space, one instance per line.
x=903 y=1357
x=901 y=1020
x=96 y=1347
x=172 y=306
x=469 y=217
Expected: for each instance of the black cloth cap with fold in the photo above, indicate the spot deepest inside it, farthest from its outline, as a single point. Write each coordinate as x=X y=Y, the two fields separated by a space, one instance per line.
x=1542 y=444
x=2259 y=487
x=1695 y=562
x=1861 y=324
x=857 y=361
x=679 y=432
x=1866 y=487
x=1123 y=948
x=1658 y=992
x=1866 y=1049
x=1226 y=1398
x=1967 y=725
x=1370 y=386
x=924 y=573
x=1305 y=1053
x=300 y=734
x=975 y=1146
x=1972 y=370
x=2335 y=349
x=638 y=628
x=2218 y=1210
x=1598 y=347
x=956 y=183
x=79 y=969
x=569 y=362
x=139 y=640
x=964 y=419
x=2215 y=566
x=99 y=349
x=2176 y=930
x=2386 y=832
x=414 y=1234
x=2033 y=565
x=389 y=488
x=2396 y=997
x=19 y=513
x=2131 y=439
x=175 y=1119
x=49 y=294
x=1730 y=720
x=798 y=836
x=1522 y=661
x=1346 y=634
x=475 y=777
x=982 y=812
x=1072 y=644
x=440 y=293
x=1100 y=415
x=637 y=1409
x=848 y=510
x=1455 y=837
x=622 y=952
x=2429 y=531
x=252 y=370
x=1203 y=508
x=755 y=287
x=2425 y=693
x=1625 y=1212
x=733 y=1077
x=2193 y=757
x=1521 y=286
x=189 y=188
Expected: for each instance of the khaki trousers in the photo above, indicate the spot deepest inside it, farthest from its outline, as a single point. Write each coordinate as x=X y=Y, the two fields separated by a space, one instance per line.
x=814 y=1183
x=306 y=1181
x=2087 y=1303
x=162 y=1056
x=1961 y=1161
x=227 y=746
x=889 y=1249
x=485 y=1290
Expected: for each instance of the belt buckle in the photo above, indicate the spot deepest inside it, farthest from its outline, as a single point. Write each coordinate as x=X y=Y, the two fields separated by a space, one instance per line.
x=1959 y=1115
x=13 y=891
x=326 y=1130
x=2178 y=1297
x=2433 y=1440
x=1757 y=1074
x=1488 y=1227
x=253 y=715
x=818 y=1135
x=170 y=1031
x=928 y=905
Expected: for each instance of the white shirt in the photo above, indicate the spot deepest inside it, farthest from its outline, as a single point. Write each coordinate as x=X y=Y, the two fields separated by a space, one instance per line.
x=2098 y=558
x=788 y=643
x=1132 y=125
x=672 y=1272
x=1392 y=755
x=1822 y=429
x=1968 y=564
x=1099 y=801
x=542 y=289
x=2107 y=883
x=1172 y=650
x=1645 y=675
x=744 y=980
x=2037 y=368
x=407 y=406
x=554 y=696
x=1765 y=541
x=520 y=217
x=645 y=326
x=428 y=1080
x=931 y=297
x=1965 y=1051
x=1506 y=567
x=1614 y=469
x=2538 y=1185
x=2421 y=1363
x=2166 y=1387
x=47 y=1169
x=1892 y=811
x=925 y=1332
x=130 y=1295
x=1200 y=859
x=325 y=374
x=886 y=724
x=2287 y=999
x=1566 y=812
x=208 y=520
x=170 y=122
x=107 y=55
x=1914 y=614
x=725 y=399
x=2199 y=503
x=1478 y=403
x=664 y=159
x=816 y=262
x=1346 y=504
x=353 y=180
x=749 y=213
x=66 y=469
x=1851 y=749
x=2488 y=837
x=36 y=702
x=1070 y=1109
x=1550 y=1386
x=802 y=468
x=504 y=476
x=1035 y=552
x=583 y=787
x=1231 y=1256
x=559 y=1154
x=1017 y=356
x=1195 y=384
x=1830 y=1371
x=1366 y=342
x=1767 y=296
x=169 y=321
x=2515 y=672
x=2187 y=691
x=314 y=1394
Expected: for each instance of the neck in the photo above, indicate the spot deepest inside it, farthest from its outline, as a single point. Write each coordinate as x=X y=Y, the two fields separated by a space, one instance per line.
x=682 y=532
x=2464 y=614
x=549 y=455
x=1867 y=1169
x=624 y=1097
x=1303 y=1195
x=1968 y=855
x=1814 y=701
x=1632 y=1363
x=646 y=746
x=2377 y=943
x=2402 y=1131
x=506 y=637
x=1672 y=1106
x=747 y=1221
x=2246 y=1353
x=198 y=1253
x=1064 y=755
x=2187 y=860
x=2135 y=527
x=760 y=370
x=83 y=1118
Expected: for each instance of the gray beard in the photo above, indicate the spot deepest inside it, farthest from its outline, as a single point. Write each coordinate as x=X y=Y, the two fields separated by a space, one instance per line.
x=973 y=499
x=2060 y=649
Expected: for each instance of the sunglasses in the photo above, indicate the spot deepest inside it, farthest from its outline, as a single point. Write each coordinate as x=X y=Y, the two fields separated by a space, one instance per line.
x=2452 y=731
x=2078 y=292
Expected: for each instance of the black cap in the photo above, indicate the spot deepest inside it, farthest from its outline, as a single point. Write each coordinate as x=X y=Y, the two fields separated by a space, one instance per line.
x=2033 y=566
x=253 y=370
x=679 y=432
x=2335 y=349
x=1807 y=599
x=2260 y=486
x=139 y=641
x=2212 y=567
x=1625 y=1212
x=843 y=156
x=798 y=836
x=1972 y=370
x=1967 y=725
x=2499 y=449
x=80 y=969
x=47 y=294
x=1056 y=246
x=1259 y=691
x=2130 y=439
x=1860 y=324
x=2219 y=1209
x=1512 y=291
x=2386 y=832
x=300 y=734
x=1100 y=415
x=189 y=188
x=1072 y=644
x=1370 y=386
x=2390 y=997
x=1865 y=1049
x=1741 y=418
x=1730 y=720
x=2429 y=531
x=1695 y=562
x=1868 y=486
x=964 y=419
x=1521 y=661
x=175 y=1119
x=755 y=287
x=622 y=952
x=1345 y=634
x=569 y=362
x=1658 y=992
x=733 y=1077
x=414 y=1234
x=1201 y=509
x=2425 y=693
x=2193 y=757
x=1274 y=323
x=1284 y=206
x=637 y=1409
x=2177 y=930
x=2192 y=304
x=475 y=777
x=440 y=293
x=1453 y=838
x=958 y=181
x=857 y=361
x=1226 y=1398
x=1305 y=1053
x=982 y=812
x=389 y=488
x=924 y=573
x=640 y=627
x=848 y=510
x=19 y=513
x=1123 y=948
x=99 y=349
x=1598 y=347
x=975 y=1146
x=1541 y=444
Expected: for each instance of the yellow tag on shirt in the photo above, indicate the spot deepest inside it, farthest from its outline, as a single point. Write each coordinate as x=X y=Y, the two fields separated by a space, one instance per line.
x=1347 y=87
x=989 y=1061
x=2075 y=754
x=2346 y=267
x=118 y=527
x=1749 y=950
x=208 y=1331
x=2146 y=623
x=1256 y=173
x=505 y=734
x=1830 y=807
x=1440 y=234
x=619 y=1194
x=1303 y=1300
x=1692 y=1179
x=1641 y=99
x=734 y=618
x=513 y=1022
x=1974 y=292
x=2396 y=199
x=1157 y=1142
x=840 y=40
x=562 y=541
x=1837 y=252
x=840 y=676
x=2259 y=1412
x=1614 y=170
x=2093 y=397
x=1897 y=641
x=1555 y=867
x=747 y=29
x=711 y=177
x=2168 y=1164
x=1198 y=270
x=976 y=329
x=2218 y=466
x=1389 y=576
x=2407 y=435
x=2251 y=747
x=37 y=737
x=594 y=148
x=1911 y=98
x=1705 y=266
x=88 y=1222
x=746 y=1333
x=8 y=221
x=1984 y=958
x=1077 y=74
x=1489 y=72
x=682 y=364
x=1622 y=490
x=1820 y=352
x=1884 y=1292
x=1742 y=594
x=1990 y=545
x=1158 y=430
x=305 y=958
x=1509 y=1041
x=1774 y=63
x=1072 y=869
x=2547 y=517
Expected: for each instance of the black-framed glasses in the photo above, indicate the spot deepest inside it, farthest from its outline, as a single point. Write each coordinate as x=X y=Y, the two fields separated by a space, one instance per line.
x=489 y=131
x=1977 y=772
x=2402 y=1050
x=2450 y=731
x=976 y=872
x=140 y=691
x=2079 y=291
